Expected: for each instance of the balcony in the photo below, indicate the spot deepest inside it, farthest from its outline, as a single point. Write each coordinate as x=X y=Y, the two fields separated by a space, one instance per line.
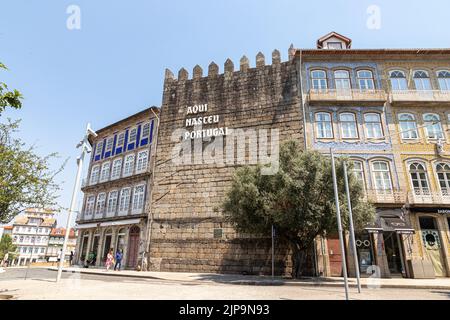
x=87 y=183
x=413 y=96
x=428 y=197
x=360 y=96
x=386 y=196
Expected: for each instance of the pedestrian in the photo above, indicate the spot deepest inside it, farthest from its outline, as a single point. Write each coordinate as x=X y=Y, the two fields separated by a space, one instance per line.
x=109 y=259
x=70 y=258
x=5 y=260
x=119 y=256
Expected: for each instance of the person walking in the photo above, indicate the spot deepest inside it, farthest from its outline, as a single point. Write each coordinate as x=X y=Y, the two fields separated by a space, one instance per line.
x=70 y=258
x=109 y=259
x=119 y=256
x=5 y=260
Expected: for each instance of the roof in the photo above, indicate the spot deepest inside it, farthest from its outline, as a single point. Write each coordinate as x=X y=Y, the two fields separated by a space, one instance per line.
x=155 y=109
x=21 y=220
x=62 y=232
x=331 y=35
x=48 y=222
x=7 y=227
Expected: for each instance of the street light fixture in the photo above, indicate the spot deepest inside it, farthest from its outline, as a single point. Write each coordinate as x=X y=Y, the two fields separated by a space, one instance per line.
x=86 y=147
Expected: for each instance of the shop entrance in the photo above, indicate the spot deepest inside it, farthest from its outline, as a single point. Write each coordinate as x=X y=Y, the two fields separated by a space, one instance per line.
x=432 y=244
x=107 y=246
x=133 y=247
x=393 y=253
x=365 y=253
x=95 y=249
x=84 y=248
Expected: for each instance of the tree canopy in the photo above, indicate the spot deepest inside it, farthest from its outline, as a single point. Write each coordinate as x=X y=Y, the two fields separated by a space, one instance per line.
x=298 y=200
x=6 y=246
x=9 y=98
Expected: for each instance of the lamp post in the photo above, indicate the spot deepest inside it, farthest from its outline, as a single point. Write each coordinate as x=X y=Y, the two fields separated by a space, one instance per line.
x=85 y=148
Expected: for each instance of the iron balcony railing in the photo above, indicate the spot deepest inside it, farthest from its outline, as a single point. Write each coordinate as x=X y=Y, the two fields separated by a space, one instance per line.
x=425 y=196
x=347 y=95
x=420 y=95
x=395 y=196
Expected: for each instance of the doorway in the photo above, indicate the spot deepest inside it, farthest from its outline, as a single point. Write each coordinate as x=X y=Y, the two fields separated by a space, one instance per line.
x=432 y=244
x=95 y=244
x=364 y=249
x=133 y=247
x=393 y=253
x=84 y=248
x=107 y=246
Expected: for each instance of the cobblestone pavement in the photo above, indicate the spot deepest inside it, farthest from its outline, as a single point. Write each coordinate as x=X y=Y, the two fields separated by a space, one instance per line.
x=40 y=284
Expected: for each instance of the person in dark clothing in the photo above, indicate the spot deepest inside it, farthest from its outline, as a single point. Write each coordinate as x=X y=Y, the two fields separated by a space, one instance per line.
x=70 y=257
x=119 y=256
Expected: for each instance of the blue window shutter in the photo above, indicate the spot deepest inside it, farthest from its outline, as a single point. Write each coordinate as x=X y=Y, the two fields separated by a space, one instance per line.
x=125 y=142
x=93 y=152
x=138 y=135
x=151 y=131
x=104 y=147
x=114 y=144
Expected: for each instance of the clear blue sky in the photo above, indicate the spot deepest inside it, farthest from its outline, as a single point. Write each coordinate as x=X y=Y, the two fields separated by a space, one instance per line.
x=114 y=65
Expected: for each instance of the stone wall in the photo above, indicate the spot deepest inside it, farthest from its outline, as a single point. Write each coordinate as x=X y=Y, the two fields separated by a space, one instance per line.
x=188 y=232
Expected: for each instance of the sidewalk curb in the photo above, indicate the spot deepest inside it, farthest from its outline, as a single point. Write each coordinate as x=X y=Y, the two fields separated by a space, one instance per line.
x=264 y=282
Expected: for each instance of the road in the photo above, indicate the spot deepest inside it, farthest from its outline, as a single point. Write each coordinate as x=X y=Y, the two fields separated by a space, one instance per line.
x=40 y=284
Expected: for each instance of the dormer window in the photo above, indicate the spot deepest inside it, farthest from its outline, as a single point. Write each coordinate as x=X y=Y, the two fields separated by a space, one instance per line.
x=334 y=45
x=334 y=41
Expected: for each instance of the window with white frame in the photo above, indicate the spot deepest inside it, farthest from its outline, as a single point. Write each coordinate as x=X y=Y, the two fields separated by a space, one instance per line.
x=444 y=80
x=408 y=126
x=129 y=165
x=120 y=140
x=98 y=149
x=365 y=80
x=398 y=80
x=419 y=178
x=373 y=126
x=109 y=144
x=124 y=201
x=142 y=161
x=106 y=169
x=358 y=172
x=342 y=80
x=319 y=80
x=112 y=202
x=443 y=174
x=422 y=80
x=116 y=168
x=138 y=197
x=132 y=137
x=381 y=175
x=433 y=126
x=349 y=128
x=95 y=174
x=101 y=201
x=145 y=131
x=324 y=125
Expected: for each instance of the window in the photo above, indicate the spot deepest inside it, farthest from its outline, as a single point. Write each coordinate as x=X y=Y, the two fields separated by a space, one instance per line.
x=365 y=80
x=106 y=167
x=133 y=133
x=112 y=203
x=443 y=173
x=42 y=250
x=120 y=140
x=98 y=149
x=433 y=127
x=444 y=80
x=373 y=125
x=348 y=125
x=358 y=172
x=21 y=239
x=95 y=174
x=129 y=164
x=100 y=208
x=138 y=198
x=142 y=160
x=419 y=178
x=334 y=45
x=324 y=125
x=382 y=176
x=398 y=80
x=319 y=80
x=116 y=168
x=124 y=202
x=408 y=126
x=109 y=144
x=145 y=131
x=342 y=80
x=422 y=80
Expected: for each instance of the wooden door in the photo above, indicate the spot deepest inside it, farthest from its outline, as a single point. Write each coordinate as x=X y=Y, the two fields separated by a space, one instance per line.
x=133 y=247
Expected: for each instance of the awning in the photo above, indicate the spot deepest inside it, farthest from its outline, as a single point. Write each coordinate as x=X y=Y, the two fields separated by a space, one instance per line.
x=390 y=221
x=107 y=224
x=86 y=226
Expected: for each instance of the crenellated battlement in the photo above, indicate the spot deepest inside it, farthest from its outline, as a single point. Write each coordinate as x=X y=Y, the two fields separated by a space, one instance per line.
x=228 y=67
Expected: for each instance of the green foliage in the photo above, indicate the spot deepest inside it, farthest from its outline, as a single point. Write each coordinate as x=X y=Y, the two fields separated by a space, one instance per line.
x=6 y=246
x=9 y=98
x=25 y=177
x=298 y=200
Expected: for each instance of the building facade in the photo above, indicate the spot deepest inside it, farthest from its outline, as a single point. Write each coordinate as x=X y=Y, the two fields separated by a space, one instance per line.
x=30 y=235
x=114 y=213
x=56 y=242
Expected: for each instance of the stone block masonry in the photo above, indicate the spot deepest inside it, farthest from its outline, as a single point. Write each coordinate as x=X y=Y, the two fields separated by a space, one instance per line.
x=189 y=232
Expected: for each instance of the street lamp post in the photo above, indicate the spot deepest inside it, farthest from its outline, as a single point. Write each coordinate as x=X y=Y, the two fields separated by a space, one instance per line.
x=85 y=148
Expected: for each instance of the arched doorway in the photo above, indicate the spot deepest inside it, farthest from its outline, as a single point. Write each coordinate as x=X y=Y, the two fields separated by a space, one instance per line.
x=432 y=244
x=133 y=247
x=107 y=244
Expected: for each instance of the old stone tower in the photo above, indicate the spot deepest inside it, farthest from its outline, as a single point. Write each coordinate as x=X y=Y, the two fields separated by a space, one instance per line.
x=188 y=231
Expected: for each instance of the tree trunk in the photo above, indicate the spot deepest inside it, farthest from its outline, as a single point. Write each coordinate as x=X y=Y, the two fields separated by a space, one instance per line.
x=300 y=255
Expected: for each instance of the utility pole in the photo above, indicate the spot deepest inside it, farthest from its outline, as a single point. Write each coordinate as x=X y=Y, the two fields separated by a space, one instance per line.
x=273 y=252
x=352 y=229
x=339 y=223
x=85 y=148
